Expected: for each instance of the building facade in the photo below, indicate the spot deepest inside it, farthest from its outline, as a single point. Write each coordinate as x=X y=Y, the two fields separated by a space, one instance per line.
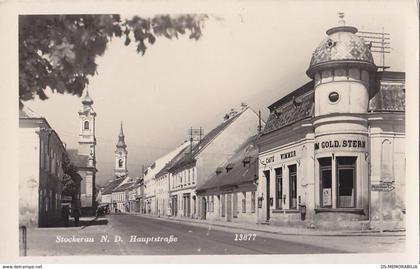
x=156 y=189
x=41 y=154
x=198 y=165
x=328 y=144
x=230 y=194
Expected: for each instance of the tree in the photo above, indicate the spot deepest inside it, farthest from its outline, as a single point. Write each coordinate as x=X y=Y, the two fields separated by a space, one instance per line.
x=71 y=179
x=59 y=51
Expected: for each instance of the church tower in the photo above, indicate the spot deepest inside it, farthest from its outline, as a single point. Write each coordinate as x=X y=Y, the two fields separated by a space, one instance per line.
x=87 y=139
x=86 y=155
x=121 y=156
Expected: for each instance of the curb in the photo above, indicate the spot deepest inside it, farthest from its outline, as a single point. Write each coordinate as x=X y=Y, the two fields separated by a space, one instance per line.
x=320 y=233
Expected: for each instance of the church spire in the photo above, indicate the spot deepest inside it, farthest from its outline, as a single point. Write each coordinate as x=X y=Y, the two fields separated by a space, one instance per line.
x=121 y=155
x=121 y=140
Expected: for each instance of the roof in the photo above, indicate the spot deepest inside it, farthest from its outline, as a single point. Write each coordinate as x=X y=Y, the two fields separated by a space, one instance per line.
x=87 y=100
x=341 y=45
x=189 y=157
x=299 y=107
x=391 y=96
x=160 y=163
x=171 y=162
x=27 y=115
x=124 y=186
x=76 y=159
x=241 y=168
x=309 y=86
x=299 y=104
x=112 y=185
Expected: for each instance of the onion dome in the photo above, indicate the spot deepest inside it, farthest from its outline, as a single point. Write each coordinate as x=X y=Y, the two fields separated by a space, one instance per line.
x=121 y=141
x=342 y=46
x=87 y=100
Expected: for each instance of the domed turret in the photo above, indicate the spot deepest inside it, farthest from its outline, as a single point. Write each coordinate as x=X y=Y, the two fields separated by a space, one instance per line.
x=341 y=47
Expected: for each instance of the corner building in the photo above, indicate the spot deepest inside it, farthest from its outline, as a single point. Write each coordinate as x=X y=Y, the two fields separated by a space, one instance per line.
x=328 y=142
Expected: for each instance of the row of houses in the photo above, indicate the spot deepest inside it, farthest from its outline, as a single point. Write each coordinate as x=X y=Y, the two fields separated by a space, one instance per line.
x=331 y=154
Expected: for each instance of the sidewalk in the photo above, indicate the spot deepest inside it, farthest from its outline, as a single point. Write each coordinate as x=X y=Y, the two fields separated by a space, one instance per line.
x=83 y=223
x=281 y=230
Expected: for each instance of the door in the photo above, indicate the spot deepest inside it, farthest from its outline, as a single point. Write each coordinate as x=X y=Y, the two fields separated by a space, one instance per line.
x=267 y=199
x=204 y=208
x=229 y=207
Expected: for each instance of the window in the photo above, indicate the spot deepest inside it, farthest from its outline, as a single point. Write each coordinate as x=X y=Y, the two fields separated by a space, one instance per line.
x=325 y=182
x=292 y=187
x=279 y=187
x=120 y=163
x=244 y=202
x=253 y=202
x=86 y=125
x=346 y=182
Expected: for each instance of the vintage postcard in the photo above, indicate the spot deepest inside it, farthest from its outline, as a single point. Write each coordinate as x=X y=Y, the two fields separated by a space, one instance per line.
x=238 y=131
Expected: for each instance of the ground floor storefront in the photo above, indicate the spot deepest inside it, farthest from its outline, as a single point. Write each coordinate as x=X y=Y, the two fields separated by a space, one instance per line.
x=334 y=181
x=230 y=206
x=183 y=203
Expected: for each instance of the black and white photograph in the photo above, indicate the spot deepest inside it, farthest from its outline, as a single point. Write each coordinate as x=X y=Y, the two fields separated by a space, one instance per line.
x=246 y=128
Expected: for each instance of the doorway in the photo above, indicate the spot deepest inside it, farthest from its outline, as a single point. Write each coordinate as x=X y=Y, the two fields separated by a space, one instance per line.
x=204 y=208
x=229 y=207
x=267 y=190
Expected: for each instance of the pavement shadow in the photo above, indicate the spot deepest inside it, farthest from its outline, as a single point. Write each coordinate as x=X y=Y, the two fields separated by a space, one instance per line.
x=86 y=223
x=81 y=223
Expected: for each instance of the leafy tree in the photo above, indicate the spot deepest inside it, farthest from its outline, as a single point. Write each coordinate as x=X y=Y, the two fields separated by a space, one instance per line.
x=59 y=51
x=71 y=179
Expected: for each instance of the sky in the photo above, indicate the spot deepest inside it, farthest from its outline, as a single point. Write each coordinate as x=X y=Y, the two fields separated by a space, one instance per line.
x=252 y=53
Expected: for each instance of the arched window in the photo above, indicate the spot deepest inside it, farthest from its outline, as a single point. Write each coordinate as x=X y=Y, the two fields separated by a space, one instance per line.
x=120 y=163
x=86 y=126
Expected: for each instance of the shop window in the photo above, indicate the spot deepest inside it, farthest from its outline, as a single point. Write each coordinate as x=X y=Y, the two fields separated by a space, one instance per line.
x=325 y=181
x=244 y=202
x=346 y=182
x=292 y=186
x=253 y=202
x=279 y=188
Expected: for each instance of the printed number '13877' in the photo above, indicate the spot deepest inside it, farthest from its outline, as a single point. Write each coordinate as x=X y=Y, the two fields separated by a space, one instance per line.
x=245 y=237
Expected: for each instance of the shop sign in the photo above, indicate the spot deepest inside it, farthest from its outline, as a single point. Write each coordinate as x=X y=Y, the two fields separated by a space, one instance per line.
x=288 y=155
x=326 y=197
x=344 y=143
x=260 y=199
x=267 y=160
x=383 y=186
